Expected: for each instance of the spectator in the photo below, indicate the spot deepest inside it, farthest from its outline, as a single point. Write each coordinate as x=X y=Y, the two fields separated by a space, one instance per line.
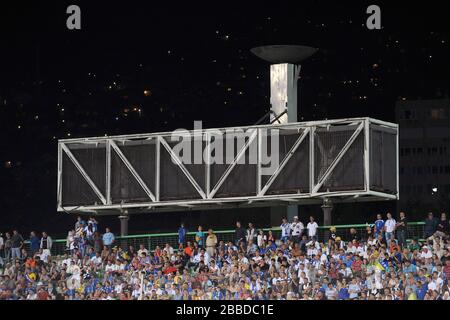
x=285 y=230
x=200 y=237
x=251 y=233
x=431 y=224
x=270 y=236
x=34 y=243
x=239 y=234
x=261 y=239
x=312 y=228
x=297 y=230
x=443 y=227
x=389 y=227
x=182 y=231
x=70 y=241
x=379 y=226
x=2 y=249
x=108 y=238
x=45 y=244
x=16 y=245
x=8 y=245
x=98 y=242
x=142 y=250
x=402 y=227
x=211 y=242
x=80 y=223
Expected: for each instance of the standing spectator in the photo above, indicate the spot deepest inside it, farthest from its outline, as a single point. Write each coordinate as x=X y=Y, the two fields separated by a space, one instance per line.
x=2 y=247
x=251 y=232
x=16 y=244
x=378 y=226
x=389 y=227
x=239 y=234
x=285 y=230
x=70 y=239
x=443 y=227
x=108 y=238
x=34 y=243
x=200 y=237
x=46 y=246
x=312 y=228
x=261 y=239
x=270 y=236
x=80 y=223
x=98 y=244
x=211 y=242
x=142 y=250
x=8 y=245
x=431 y=223
x=402 y=227
x=182 y=231
x=297 y=230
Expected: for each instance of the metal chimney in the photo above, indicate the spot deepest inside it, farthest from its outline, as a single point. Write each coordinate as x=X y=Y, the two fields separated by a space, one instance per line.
x=284 y=72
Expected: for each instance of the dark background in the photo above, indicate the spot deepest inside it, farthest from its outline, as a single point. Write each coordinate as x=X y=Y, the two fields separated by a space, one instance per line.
x=194 y=60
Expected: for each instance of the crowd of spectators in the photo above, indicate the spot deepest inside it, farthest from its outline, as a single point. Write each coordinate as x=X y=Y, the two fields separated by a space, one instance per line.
x=378 y=264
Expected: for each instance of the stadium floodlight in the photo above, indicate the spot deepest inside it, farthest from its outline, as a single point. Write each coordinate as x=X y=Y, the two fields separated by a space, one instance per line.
x=284 y=72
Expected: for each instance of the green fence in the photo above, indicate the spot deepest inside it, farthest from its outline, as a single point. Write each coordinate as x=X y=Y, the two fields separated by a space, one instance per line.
x=151 y=241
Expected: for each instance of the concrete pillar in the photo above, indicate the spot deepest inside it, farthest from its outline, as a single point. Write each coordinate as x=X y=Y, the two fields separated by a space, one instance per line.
x=327 y=207
x=124 y=224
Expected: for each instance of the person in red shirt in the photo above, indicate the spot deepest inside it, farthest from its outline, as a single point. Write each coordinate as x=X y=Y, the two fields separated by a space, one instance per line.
x=447 y=268
x=189 y=250
x=169 y=269
x=42 y=294
x=356 y=265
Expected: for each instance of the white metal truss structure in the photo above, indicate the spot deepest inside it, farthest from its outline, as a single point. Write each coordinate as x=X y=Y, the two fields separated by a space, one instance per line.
x=345 y=160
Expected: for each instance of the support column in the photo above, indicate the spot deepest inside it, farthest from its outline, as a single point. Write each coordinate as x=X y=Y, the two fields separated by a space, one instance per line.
x=124 y=224
x=327 y=207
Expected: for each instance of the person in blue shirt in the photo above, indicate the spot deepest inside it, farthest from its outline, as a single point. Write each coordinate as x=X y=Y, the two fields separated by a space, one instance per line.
x=108 y=238
x=422 y=291
x=379 y=226
x=200 y=237
x=35 y=243
x=343 y=294
x=182 y=235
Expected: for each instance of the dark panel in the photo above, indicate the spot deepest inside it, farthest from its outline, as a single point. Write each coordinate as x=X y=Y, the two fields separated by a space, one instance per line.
x=93 y=160
x=142 y=156
x=174 y=185
x=349 y=172
x=294 y=178
x=75 y=190
x=124 y=186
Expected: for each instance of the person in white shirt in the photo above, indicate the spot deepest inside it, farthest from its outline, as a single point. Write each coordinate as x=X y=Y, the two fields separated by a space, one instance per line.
x=389 y=227
x=285 y=230
x=426 y=253
x=141 y=250
x=261 y=239
x=297 y=230
x=312 y=228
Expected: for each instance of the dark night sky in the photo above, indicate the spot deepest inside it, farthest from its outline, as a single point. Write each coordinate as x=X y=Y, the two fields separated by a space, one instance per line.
x=195 y=62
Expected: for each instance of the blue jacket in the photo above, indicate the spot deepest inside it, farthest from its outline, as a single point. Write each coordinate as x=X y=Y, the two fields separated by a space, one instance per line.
x=182 y=234
x=35 y=243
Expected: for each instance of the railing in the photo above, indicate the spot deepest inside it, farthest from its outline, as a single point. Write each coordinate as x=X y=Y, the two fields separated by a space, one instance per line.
x=150 y=241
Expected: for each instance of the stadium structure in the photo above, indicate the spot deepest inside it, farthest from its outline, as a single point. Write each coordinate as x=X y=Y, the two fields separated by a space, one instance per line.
x=318 y=162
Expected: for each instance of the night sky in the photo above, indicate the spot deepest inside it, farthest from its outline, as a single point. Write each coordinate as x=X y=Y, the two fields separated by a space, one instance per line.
x=135 y=68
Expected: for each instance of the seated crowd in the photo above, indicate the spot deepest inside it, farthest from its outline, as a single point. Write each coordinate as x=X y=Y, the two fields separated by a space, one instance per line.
x=378 y=264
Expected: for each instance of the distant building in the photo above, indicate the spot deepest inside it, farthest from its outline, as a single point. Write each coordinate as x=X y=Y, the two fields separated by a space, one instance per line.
x=424 y=155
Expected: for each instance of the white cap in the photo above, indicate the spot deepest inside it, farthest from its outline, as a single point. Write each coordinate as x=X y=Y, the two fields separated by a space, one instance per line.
x=295 y=217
